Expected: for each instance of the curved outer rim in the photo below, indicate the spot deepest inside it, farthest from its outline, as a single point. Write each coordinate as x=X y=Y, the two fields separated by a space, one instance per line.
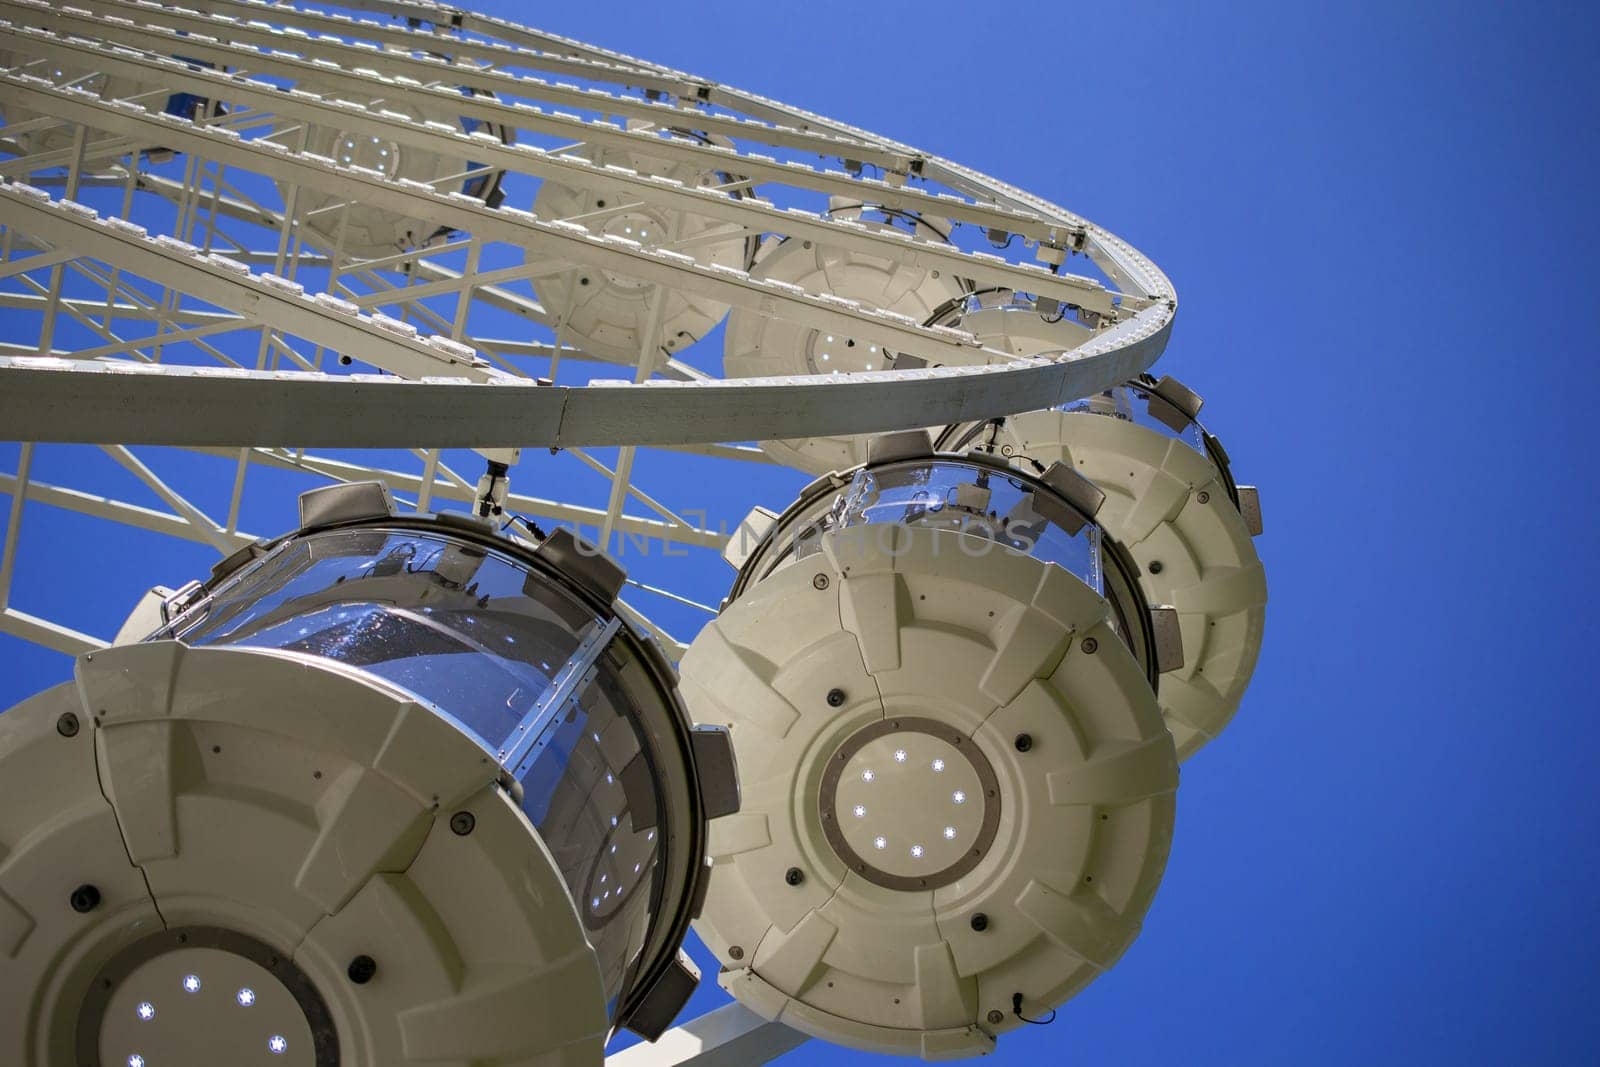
x=828 y=790
x=677 y=912
x=618 y=414
x=1131 y=607
x=91 y=1016
x=136 y=403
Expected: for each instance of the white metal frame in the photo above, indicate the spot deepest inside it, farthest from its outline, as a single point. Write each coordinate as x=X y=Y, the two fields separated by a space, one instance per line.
x=205 y=340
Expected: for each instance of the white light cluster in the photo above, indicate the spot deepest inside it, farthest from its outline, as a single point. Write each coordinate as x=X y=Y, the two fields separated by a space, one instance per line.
x=916 y=849
x=823 y=346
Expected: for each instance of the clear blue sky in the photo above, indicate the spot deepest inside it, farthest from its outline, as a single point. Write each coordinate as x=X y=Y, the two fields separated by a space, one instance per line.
x=1380 y=221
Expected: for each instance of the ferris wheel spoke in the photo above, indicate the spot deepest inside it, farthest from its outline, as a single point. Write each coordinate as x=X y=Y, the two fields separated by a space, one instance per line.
x=625 y=257
x=39 y=261
x=737 y=453
x=220 y=285
x=8 y=550
x=211 y=530
x=131 y=346
x=486 y=105
x=47 y=634
x=463 y=20
x=752 y=213
x=324 y=38
x=633 y=491
x=83 y=313
x=457 y=489
x=86 y=310
x=108 y=149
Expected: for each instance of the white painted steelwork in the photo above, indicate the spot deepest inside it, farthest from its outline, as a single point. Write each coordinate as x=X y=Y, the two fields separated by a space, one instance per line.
x=255 y=234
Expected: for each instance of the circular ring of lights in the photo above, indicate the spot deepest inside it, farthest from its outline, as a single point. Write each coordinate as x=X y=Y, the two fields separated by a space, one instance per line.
x=601 y=908
x=612 y=313
x=106 y=986
x=986 y=798
x=361 y=230
x=757 y=345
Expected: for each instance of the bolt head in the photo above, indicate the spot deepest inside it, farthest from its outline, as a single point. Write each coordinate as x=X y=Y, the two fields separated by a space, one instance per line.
x=980 y=922
x=1024 y=742
x=794 y=876
x=835 y=697
x=462 y=822
x=1090 y=645
x=1204 y=497
x=1156 y=566
x=736 y=952
x=820 y=582
x=996 y=1017
x=67 y=725
x=361 y=969
x=84 y=899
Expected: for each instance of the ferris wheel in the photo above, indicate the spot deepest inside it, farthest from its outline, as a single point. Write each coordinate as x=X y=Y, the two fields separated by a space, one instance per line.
x=827 y=477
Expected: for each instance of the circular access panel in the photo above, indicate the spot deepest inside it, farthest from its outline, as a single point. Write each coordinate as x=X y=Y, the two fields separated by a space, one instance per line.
x=909 y=803
x=205 y=995
x=366 y=232
x=758 y=345
x=609 y=313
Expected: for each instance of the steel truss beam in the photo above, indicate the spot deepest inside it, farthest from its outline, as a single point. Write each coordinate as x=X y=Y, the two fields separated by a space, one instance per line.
x=755 y=215
x=427 y=77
